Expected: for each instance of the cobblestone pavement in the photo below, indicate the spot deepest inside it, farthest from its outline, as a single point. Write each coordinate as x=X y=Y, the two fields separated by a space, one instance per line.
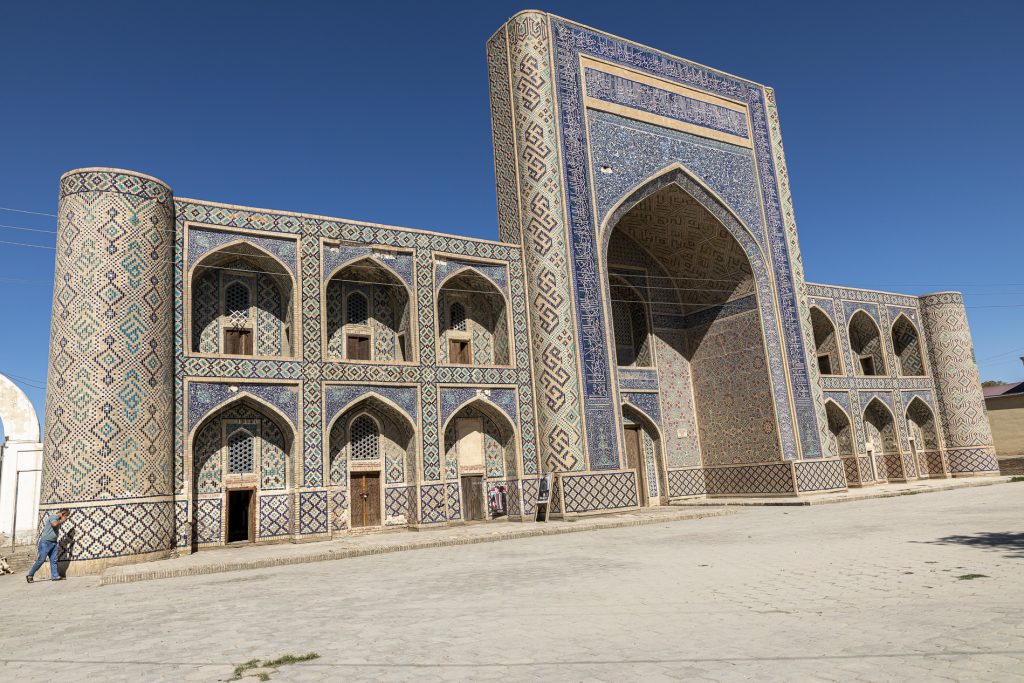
x=871 y=590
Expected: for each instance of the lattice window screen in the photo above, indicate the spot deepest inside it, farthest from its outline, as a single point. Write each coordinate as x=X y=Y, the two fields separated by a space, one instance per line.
x=236 y=303
x=358 y=311
x=457 y=317
x=240 y=452
x=365 y=439
x=623 y=322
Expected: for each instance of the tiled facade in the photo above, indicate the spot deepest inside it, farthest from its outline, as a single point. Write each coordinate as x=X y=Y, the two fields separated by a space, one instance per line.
x=648 y=281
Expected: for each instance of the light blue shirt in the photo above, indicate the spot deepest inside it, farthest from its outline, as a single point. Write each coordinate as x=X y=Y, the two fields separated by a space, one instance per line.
x=49 y=531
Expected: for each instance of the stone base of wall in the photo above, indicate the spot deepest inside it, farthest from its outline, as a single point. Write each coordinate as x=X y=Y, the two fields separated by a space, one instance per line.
x=759 y=480
x=86 y=567
x=595 y=492
x=965 y=462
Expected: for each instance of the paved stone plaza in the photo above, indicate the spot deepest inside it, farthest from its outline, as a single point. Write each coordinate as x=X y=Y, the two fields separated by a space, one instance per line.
x=879 y=598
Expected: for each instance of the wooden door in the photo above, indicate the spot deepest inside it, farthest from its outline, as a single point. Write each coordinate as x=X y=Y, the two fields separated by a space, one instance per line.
x=473 y=498
x=358 y=347
x=238 y=342
x=635 y=461
x=365 y=499
x=459 y=352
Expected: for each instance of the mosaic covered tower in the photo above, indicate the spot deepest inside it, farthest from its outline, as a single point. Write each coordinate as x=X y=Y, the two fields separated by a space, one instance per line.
x=968 y=436
x=109 y=401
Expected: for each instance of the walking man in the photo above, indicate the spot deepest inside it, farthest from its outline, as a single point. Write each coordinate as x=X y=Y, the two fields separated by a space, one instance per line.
x=48 y=545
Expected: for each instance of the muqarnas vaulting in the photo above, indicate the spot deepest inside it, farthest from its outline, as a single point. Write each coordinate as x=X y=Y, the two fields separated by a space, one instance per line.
x=642 y=331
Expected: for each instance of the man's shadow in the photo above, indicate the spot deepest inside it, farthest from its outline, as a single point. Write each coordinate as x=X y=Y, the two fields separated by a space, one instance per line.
x=65 y=548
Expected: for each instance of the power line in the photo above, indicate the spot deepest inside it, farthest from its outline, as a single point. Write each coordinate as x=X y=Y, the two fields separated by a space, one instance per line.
x=37 y=213
x=18 y=227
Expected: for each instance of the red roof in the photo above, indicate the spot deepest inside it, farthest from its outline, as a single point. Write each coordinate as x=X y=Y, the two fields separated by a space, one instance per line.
x=1003 y=389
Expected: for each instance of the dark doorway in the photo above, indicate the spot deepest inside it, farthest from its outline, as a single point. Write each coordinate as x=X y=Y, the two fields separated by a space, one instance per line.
x=365 y=499
x=635 y=460
x=240 y=504
x=473 y=498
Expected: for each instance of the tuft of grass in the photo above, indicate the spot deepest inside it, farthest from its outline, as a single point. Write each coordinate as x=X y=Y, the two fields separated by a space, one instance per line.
x=290 y=659
x=968 y=577
x=1013 y=479
x=242 y=668
x=271 y=664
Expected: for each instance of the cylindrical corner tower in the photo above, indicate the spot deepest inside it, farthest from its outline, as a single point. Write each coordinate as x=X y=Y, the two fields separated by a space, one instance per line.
x=109 y=426
x=968 y=437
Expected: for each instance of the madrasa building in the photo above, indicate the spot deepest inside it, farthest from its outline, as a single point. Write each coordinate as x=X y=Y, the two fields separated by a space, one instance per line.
x=641 y=331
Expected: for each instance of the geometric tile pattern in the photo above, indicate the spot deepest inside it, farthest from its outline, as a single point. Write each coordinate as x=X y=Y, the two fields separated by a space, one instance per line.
x=275 y=516
x=586 y=492
x=432 y=505
x=525 y=49
x=957 y=384
x=764 y=480
x=110 y=412
x=688 y=482
x=313 y=512
x=822 y=475
x=208 y=520
x=963 y=460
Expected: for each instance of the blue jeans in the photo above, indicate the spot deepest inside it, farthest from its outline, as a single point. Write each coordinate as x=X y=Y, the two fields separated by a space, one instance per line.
x=46 y=549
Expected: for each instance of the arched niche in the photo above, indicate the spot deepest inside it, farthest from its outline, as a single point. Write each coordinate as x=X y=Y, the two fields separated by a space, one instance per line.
x=644 y=455
x=241 y=302
x=479 y=451
x=826 y=343
x=866 y=345
x=241 y=457
x=840 y=428
x=472 y=321
x=371 y=448
x=367 y=313
x=906 y=345
x=630 y=324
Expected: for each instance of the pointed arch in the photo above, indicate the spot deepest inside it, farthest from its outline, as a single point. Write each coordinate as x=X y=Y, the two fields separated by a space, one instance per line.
x=272 y=289
x=866 y=344
x=678 y=174
x=906 y=346
x=480 y=440
x=244 y=442
x=386 y=333
x=841 y=428
x=722 y=297
x=372 y=437
x=256 y=402
x=485 y=339
x=631 y=323
x=826 y=342
x=645 y=454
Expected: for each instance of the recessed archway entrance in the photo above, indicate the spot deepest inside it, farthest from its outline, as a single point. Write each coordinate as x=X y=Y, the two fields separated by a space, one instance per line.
x=644 y=456
x=241 y=457
x=480 y=452
x=684 y=299
x=372 y=452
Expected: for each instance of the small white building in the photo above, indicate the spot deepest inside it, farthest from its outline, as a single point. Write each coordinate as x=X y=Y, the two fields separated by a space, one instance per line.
x=21 y=463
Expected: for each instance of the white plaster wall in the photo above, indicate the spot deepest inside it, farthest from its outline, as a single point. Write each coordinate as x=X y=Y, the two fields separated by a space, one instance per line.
x=21 y=462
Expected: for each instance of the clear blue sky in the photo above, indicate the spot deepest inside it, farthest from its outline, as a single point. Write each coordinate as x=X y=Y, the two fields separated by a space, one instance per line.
x=902 y=124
